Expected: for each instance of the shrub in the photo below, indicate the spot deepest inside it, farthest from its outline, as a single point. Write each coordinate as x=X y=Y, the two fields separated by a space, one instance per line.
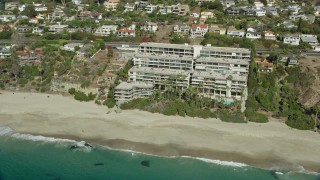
x=254 y=116
x=226 y=116
x=110 y=102
x=301 y=121
x=72 y=91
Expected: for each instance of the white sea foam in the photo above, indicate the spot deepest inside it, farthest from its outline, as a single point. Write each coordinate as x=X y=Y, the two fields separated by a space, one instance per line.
x=223 y=163
x=6 y=131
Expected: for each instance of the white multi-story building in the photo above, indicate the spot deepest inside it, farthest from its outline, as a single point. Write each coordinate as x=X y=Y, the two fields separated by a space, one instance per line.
x=7 y=18
x=198 y=30
x=57 y=28
x=151 y=8
x=111 y=5
x=269 y=35
x=128 y=91
x=252 y=34
x=106 y=30
x=128 y=7
x=39 y=7
x=293 y=39
x=5 y=52
x=126 y=33
x=149 y=26
x=181 y=28
x=215 y=71
x=165 y=9
x=310 y=39
x=235 y=33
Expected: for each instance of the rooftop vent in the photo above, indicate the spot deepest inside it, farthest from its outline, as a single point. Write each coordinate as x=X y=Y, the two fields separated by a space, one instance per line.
x=208 y=45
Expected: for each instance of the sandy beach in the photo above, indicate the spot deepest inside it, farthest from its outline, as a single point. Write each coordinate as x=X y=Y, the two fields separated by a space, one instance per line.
x=263 y=145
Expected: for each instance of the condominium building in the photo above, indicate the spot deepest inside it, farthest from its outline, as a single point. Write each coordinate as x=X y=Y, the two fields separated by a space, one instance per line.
x=217 y=72
x=160 y=77
x=128 y=91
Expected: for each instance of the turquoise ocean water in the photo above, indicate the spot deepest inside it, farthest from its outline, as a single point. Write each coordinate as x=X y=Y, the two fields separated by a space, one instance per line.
x=35 y=157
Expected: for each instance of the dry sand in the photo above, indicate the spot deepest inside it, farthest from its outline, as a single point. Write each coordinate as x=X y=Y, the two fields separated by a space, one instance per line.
x=264 y=145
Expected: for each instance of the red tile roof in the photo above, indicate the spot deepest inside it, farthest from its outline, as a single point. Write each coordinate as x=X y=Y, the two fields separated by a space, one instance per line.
x=202 y=26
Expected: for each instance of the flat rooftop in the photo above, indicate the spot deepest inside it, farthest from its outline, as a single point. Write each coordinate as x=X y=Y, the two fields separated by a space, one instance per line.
x=164 y=56
x=223 y=60
x=162 y=71
x=191 y=47
x=132 y=85
x=219 y=76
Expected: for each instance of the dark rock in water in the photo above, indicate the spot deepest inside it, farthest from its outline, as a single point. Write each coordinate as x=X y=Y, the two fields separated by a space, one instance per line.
x=274 y=174
x=145 y=163
x=88 y=145
x=98 y=164
x=57 y=178
x=74 y=147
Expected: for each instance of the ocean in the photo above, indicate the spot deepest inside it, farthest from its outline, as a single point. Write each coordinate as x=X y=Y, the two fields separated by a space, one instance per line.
x=30 y=157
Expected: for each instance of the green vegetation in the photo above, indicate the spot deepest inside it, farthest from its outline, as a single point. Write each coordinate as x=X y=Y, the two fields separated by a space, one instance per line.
x=179 y=39
x=226 y=41
x=81 y=96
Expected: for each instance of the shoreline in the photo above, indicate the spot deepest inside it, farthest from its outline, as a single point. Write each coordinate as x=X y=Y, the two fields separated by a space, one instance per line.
x=259 y=145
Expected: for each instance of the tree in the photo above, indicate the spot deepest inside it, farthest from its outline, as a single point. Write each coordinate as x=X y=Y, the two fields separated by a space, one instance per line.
x=30 y=11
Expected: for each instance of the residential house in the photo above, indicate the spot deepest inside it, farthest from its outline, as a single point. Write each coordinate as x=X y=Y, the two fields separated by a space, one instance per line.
x=292 y=61
x=76 y=2
x=294 y=8
x=260 y=12
x=218 y=29
x=141 y=5
x=292 y=39
x=258 y=5
x=196 y=12
x=39 y=7
x=29 y=57
x=34 y=21
x=56 y=14
x=310 y=39
x=253 y=34
x=38 y=30
x=5 y=51
x=202 y=1
x=228 y=3
x=72 y=46
x=57 y=28
x=265 y=66
x=180 y=9
x=151 y=8
x=247 y=11
x=207 y=14
x=310 y=18
x=106 y=30
x=233 y=32
x=181 y=29
x=41 y=16
x=7 y=18
x=69 y=18
x=317 y=11
x=111 y=5
x=269 y=35
x=149 y=26
x=129 y=7
x=288 y=24
x=10 y=6
x=83 y=15
x=232 y=11
x=126 y=33
x=21 y=7
x=165 y=9
x=272 y=11
x=24 y=28
x=198 y=30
